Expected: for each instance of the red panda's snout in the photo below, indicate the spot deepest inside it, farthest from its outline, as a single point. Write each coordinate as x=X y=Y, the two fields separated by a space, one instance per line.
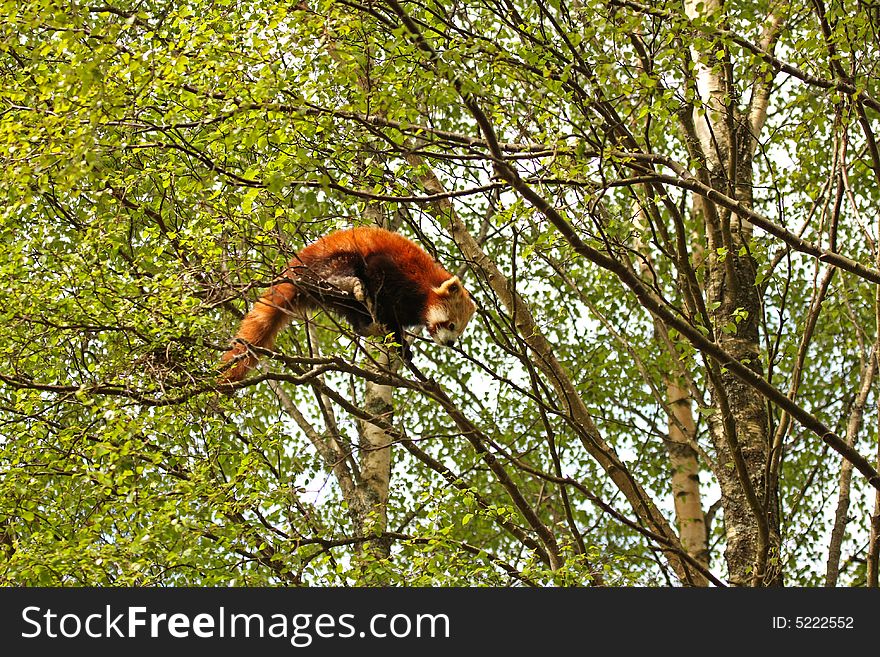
x=444 y=333
x=449 y=310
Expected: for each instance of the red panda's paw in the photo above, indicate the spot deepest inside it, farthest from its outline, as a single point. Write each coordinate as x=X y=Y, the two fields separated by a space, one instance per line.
x=357 y=289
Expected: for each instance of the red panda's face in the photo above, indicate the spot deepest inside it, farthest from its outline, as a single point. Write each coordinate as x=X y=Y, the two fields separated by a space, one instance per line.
x=448 y=312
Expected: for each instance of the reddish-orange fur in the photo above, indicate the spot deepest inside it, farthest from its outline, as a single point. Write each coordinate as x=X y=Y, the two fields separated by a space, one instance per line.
x=394 y=277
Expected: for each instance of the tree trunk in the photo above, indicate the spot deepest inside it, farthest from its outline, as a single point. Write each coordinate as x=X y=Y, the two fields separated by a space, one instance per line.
x=724 y=139
x=685 y=474
x=841 y=516
x=371 y=517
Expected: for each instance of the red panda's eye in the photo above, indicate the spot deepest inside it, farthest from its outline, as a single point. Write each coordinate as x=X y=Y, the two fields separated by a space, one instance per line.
x=453 y=287
x=451 y=326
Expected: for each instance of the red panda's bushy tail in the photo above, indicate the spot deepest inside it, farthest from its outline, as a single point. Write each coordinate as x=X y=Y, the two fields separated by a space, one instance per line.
x=270 y=314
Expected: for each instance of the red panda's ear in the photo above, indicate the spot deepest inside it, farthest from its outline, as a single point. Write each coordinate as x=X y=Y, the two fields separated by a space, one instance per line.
x=449 y=287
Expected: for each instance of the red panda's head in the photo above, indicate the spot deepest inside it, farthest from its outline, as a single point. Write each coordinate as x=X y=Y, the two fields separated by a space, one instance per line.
x=449 y=310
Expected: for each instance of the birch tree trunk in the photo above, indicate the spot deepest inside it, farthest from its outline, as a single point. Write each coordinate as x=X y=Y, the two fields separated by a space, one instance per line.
x=685 y=478
x=370 y=512
x=841 y=517
x=723 y=139
x=375 y=463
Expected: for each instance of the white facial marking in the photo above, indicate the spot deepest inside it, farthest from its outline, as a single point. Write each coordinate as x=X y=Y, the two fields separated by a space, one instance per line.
x=436 y=315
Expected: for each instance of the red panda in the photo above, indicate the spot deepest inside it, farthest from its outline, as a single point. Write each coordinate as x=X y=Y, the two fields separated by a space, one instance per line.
x=369 y=276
